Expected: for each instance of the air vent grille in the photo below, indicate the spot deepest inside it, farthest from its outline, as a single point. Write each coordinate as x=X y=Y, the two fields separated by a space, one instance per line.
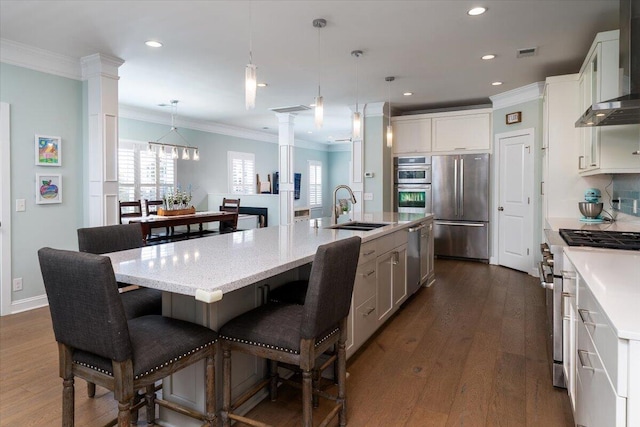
x=530 y=51
x=290 y=109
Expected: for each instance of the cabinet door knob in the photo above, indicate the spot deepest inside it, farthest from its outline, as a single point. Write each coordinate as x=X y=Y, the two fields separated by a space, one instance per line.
x=500 y=208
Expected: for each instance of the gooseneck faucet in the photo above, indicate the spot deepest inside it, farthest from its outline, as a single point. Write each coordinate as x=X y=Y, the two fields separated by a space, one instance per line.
x=336 y=205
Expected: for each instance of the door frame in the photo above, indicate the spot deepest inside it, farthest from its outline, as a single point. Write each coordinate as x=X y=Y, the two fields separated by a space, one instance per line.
x=5 y=210
x=494 y=217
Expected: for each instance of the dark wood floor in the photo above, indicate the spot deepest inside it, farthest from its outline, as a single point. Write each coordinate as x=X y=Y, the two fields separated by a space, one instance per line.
x=469 y=351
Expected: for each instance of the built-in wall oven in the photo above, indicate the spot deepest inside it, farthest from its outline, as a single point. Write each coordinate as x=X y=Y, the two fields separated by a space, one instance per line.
x=412 y=176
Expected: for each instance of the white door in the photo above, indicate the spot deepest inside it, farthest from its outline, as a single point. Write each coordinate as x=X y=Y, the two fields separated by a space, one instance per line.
x=515 y=204
x=5 y=212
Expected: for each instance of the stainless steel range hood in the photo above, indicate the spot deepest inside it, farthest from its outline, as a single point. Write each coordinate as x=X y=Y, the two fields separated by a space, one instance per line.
x=624 y=110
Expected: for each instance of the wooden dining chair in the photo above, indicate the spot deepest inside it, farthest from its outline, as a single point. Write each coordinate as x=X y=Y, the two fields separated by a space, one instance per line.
x=296 y=335
x=230 y=205
x=151 y=208
x=96 y=341
x=130 y=209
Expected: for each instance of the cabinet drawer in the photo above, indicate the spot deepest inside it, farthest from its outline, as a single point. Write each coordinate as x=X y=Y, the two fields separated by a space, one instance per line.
x=596 y=396
x=368 y=252
x=612 y=351
x=365 y=321
x=365 y=285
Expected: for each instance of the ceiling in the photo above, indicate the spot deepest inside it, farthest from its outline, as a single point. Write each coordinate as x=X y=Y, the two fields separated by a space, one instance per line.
x=432 y=48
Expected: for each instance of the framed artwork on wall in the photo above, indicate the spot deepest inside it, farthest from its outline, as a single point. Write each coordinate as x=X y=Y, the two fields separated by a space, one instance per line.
x=48 y=150
x=48 y=189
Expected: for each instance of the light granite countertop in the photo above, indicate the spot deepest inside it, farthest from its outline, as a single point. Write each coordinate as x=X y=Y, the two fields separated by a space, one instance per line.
x=613 y=276
x=208 y=267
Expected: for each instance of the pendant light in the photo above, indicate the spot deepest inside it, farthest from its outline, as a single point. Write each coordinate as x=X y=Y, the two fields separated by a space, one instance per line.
x=250 y=78
x=389 y=128
x=319 y=101
x=173 y=148
x=357 y=119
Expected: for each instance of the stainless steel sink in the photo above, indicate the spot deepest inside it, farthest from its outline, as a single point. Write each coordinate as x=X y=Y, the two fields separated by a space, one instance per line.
x=359 y=226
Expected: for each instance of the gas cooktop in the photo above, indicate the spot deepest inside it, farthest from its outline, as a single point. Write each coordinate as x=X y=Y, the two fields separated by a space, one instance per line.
x=602 y=239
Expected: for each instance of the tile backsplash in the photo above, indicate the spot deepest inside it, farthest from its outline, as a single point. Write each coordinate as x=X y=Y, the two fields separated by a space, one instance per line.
x=626 y=189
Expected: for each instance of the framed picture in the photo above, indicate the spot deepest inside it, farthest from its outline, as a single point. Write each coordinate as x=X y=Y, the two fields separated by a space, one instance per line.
x=48 y=150
x=514 y=117
x=48 y=189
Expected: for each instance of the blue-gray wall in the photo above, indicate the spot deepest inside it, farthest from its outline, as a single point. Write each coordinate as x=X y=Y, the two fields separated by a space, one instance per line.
x=42 y=104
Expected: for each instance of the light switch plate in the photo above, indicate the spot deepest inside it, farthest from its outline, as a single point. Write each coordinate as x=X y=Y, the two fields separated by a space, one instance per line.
x=21 y=205
x=368 y=196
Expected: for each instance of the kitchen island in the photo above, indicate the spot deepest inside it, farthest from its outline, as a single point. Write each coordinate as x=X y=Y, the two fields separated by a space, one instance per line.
x=215 y=278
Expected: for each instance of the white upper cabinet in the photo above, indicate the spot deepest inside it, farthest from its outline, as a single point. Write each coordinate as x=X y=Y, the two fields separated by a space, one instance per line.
x=451 y=131
x=411 y=134
x=458 y=131
x=604 y=149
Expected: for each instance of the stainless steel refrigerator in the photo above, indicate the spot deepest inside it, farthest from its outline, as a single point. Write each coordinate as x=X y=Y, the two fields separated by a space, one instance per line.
x=460 y=191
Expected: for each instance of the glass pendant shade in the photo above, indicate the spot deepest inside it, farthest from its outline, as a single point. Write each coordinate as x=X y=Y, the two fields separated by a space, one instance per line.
x=357 y=123
x=319 y=112
x=251 y=85
x=185 y=154
x=174 y=153
x=196 y=155
x=389 y=136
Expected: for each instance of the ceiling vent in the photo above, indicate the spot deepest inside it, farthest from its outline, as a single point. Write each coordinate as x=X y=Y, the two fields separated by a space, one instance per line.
x=530 y=51
x=290 y=109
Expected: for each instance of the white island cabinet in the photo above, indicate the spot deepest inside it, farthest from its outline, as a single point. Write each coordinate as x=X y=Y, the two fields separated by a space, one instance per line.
x=604 y=372
x=215 y=278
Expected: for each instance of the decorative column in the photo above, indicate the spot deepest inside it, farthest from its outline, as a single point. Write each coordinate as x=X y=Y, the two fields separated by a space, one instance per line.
x=357 y=170
x=285 y=165
x=101 y=158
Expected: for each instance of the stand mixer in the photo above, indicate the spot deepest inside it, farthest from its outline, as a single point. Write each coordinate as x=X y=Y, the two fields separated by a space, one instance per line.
x=591 y=207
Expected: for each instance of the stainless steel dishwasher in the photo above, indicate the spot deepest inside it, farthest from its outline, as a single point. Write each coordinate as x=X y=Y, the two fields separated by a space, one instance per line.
x=413 y=259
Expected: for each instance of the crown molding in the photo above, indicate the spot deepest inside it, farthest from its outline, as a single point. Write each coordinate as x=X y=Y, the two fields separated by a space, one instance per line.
x=517 y=96
x=135 y=113
x=37 y=59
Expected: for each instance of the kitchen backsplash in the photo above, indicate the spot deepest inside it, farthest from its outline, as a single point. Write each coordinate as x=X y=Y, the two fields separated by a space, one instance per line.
x=626 y=189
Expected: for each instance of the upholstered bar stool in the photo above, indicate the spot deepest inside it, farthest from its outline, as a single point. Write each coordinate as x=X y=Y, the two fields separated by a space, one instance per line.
x=96 y=342
x=298 y=334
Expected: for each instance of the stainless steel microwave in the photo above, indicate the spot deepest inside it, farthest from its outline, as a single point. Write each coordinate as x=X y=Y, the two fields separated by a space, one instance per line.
x=412 y=170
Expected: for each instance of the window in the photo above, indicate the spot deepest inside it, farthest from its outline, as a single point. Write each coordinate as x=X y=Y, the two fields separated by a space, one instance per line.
x=144 y=174
x=315 y=183
x=242 y=172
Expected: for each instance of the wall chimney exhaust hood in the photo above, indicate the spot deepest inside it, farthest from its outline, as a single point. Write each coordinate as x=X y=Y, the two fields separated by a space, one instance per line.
x=624 y=110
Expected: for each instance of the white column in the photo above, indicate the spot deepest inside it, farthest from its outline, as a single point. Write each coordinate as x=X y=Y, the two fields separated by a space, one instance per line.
x=101 y=158
x=285 y=165
x=356 y=174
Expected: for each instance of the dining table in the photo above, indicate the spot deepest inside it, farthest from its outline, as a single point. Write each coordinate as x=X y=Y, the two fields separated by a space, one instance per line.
x=150 y=222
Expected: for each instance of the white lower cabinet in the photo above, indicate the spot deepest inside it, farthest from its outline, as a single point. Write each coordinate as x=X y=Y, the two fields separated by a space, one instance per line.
x=569 y=333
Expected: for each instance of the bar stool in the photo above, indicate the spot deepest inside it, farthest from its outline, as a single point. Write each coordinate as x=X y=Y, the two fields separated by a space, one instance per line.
x=96 y=342
x=297 y=334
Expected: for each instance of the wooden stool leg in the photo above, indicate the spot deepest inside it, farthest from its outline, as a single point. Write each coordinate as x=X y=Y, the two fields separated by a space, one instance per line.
x=151 y=404
x=307 y=393
x=68 y=396
x=226 y=389
x=124 y=413
x=342 y=382
x=273 y=385
x=91 y=389
x=210 y=403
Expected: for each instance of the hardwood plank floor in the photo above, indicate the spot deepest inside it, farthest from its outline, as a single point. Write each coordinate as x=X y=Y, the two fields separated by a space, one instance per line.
x=469 y=351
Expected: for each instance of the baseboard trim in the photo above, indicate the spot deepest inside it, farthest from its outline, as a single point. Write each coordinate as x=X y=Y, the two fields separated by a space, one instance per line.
x=28 y=304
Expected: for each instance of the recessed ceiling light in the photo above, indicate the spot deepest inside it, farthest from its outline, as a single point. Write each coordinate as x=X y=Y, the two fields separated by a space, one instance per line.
x=408 y=93
x=262 y=85
x=496 y=83
x=487 y=57
x=309 y=131
x=153 y=43
x=477 y=11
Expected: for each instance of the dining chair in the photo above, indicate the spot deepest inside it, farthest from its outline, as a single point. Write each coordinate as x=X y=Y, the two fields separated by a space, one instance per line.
x=229 y=205
x=130 y=209
x=97 y=342
x=151 y=208
x=296 y=335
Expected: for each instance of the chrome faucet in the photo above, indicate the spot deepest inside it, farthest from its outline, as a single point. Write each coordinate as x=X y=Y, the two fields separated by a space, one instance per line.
x=336 y=205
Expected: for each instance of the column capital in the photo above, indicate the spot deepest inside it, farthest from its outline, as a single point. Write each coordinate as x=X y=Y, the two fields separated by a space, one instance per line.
x=286 y=117
x=100 y=64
